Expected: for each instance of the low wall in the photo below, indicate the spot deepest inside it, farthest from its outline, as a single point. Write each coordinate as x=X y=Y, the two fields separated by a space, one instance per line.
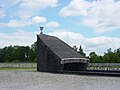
x=104 y=66
x=91 y=66
x=26 y=65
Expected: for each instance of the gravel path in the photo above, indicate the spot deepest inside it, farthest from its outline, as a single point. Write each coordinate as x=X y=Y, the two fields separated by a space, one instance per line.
x=32 y=80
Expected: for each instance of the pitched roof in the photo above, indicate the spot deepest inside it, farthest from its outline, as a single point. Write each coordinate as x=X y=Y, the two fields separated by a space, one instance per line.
x=60 y=48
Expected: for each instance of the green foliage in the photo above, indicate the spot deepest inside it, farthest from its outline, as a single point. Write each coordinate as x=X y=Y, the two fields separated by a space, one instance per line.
x=81 y=51
x=1 y=60
x=94 y=58
x=19 y=53
x=108 y=57
x=112 y=57
x=75 y=48
x=28 y=54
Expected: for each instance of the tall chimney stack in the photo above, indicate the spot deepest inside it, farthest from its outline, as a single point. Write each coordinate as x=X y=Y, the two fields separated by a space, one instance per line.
x=41 y=29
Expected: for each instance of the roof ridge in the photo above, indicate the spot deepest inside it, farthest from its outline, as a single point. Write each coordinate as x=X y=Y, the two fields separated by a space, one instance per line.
x=48 y=46
x=59 y=47
x=69 y=46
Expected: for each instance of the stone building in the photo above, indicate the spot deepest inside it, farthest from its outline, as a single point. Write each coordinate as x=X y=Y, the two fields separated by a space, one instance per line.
x=54 y=55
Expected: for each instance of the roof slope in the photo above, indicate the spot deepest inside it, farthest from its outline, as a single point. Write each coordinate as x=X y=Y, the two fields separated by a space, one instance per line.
x=60 y=48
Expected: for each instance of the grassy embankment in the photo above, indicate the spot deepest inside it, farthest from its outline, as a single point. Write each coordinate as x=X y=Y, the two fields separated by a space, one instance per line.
x=16 y=68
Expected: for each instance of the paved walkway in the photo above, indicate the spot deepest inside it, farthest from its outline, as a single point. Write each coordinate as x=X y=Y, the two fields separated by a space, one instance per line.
x=32 y=80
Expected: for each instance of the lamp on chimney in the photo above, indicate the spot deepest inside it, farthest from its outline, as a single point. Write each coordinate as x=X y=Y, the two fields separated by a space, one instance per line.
x=41 y=29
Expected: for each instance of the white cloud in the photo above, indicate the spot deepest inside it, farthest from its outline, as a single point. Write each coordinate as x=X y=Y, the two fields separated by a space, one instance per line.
x=97 y=44
x=28 y=8
x=23 y=23
x=2 y=25
x=37 y=4
x=7 y=3
x=19 y=37
x=2 y=13
x=53 y=24
x=25 y=9
x=7 y=6
x=15 y=23
x=101 y=15
x=75 y=8
x=38 y=19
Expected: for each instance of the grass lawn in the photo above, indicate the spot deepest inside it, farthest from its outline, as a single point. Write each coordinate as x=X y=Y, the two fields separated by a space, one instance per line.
x=16 y=68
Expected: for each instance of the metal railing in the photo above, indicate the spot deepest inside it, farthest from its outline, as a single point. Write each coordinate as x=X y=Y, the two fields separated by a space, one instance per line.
x=104 y=66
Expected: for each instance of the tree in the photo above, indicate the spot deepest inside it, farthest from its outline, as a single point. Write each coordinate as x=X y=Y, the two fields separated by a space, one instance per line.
x=34 y=46
x=17 y=54
x=94 y=58
x=75 y=48
x=7 y=54
x=28 y=54
x=110 y=54
x=115 y=58
x=1 y=60
x=33 y=52
x=81 y=51
x=112 y=57
x=106 y=58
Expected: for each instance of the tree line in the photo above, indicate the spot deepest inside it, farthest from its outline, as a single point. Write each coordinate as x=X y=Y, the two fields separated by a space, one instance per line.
x=18 y=53
x=108 y=57
x=28 y=54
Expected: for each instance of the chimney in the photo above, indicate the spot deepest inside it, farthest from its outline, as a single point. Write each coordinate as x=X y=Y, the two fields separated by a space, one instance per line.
x=41 y=29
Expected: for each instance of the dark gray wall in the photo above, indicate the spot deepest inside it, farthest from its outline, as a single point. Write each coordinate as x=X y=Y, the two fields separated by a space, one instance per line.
x=47 y=61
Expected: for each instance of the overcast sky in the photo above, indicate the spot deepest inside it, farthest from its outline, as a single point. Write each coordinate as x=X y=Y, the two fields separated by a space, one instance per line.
x=94 y=24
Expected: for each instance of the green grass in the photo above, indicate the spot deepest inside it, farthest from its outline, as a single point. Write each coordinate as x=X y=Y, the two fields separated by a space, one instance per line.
x=16 y=68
